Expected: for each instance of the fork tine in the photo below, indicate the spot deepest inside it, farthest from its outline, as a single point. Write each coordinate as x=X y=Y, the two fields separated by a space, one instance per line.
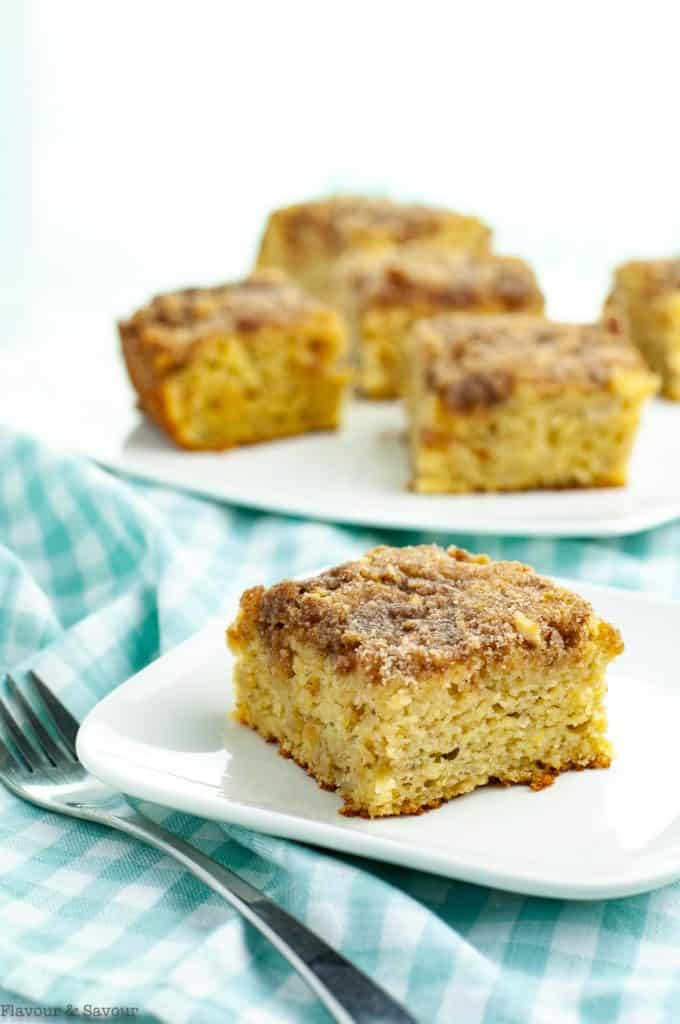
x=10 y=767
x=29 y=755
x=45 y=741
x=66 y=725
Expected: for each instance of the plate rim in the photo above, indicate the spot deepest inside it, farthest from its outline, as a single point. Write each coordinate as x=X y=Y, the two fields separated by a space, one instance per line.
x=625 y=526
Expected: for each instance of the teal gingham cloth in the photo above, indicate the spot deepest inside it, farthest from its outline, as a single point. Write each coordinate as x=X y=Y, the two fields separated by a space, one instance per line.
x=99 y=575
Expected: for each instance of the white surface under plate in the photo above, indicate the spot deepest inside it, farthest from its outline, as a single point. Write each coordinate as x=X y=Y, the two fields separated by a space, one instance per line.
x=165 y=736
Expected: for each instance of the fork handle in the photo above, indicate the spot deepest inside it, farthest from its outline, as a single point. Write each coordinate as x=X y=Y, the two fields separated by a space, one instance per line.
x=348 y=994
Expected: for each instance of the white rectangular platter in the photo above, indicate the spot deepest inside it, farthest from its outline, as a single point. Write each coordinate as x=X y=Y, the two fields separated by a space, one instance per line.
x=358 y=475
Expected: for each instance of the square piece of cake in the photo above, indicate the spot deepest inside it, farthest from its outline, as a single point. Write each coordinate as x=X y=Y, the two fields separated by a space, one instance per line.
x=307 y=239
x=382 y=296
x=645 y=304
x=508 y=403
x=238 y=363
x=416 y=674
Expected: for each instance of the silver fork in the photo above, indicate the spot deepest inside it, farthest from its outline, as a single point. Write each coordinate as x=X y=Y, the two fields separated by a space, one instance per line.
x=40 y=764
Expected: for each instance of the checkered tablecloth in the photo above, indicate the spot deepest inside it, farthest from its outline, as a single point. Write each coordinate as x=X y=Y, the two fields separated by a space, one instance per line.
x=98 y=575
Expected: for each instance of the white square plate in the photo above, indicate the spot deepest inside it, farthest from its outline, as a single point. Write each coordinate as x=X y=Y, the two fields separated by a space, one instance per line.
x=165 y=736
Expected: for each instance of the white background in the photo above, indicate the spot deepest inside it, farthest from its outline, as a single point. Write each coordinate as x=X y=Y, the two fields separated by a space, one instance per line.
x=143 y=142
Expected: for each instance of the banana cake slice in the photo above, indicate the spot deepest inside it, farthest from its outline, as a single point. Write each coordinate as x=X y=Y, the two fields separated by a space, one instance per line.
x=416 y=674
x=306 y=240
x=516 y=402
x=237 y=363
x=645 y=304
x=382 y=295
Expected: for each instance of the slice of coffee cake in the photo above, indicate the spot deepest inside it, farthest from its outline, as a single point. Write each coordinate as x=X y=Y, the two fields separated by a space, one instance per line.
x=306 y=240
x=237 y=363
x=645 y=304
x=416 y=674
x=382 y=296
x=514 y=403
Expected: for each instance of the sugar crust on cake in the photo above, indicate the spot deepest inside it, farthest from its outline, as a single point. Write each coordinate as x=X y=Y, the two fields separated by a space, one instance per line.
x=416 y=610
x=473 y=361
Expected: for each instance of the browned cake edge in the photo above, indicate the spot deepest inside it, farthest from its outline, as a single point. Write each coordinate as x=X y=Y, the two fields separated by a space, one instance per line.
x=147 y=382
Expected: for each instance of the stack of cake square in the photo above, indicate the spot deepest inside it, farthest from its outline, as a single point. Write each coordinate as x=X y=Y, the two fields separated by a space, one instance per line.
x=411 y=302
x=385 y=265
x=382 y=297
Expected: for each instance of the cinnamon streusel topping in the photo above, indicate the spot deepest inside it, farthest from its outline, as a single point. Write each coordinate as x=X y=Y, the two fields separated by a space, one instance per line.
x=178 y=319
x=440 y=277
x=344 y=220
x=475 y=361
x=408 y=612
